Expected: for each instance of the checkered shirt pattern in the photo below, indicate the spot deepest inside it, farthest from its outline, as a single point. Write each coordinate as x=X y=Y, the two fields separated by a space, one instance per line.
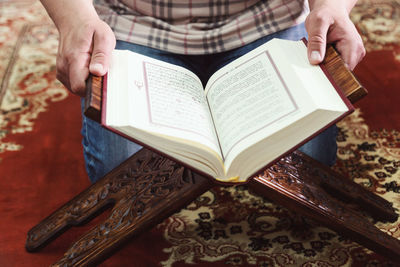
x=199 y=26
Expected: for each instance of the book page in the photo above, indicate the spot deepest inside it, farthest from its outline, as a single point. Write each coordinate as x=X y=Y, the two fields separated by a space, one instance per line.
x=176 y=100
x=247 y=99
x=158 y=97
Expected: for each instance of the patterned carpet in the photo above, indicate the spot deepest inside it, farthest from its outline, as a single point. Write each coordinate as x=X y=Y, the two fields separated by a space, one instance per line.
x=26 y=71
x=41 y=166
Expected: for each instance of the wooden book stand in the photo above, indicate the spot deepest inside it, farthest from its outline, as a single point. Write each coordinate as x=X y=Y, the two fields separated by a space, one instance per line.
x=147 y=188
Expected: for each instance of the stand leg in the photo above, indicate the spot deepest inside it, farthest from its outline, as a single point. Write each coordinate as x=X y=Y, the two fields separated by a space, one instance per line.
x=303 y=185
x=145 y=189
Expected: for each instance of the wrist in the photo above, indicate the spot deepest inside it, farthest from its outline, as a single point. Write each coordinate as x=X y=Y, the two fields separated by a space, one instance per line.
x=343 y=5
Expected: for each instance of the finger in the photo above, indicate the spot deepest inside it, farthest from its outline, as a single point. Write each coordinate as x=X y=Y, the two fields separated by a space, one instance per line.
x=62 y=72
x=63 y=80
x=352 y=51
x=351 y=58
x=78 y=73
x=317 y=28
x=103 y=44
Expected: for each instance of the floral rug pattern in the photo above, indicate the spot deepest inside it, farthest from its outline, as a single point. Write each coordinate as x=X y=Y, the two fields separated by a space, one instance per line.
x=28 y=47
x=379 y=24
x=234 y=227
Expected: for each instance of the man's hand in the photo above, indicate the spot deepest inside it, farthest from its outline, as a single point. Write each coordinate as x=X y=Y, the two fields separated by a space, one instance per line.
x=329 y=22
x=83 y=48
x=85 y=45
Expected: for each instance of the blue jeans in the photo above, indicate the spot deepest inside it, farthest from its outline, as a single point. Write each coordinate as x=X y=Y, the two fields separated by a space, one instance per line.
x=104 y=150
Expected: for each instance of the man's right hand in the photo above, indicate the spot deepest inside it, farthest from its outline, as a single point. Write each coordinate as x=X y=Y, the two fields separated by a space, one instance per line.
x=85 y=44
x=82 y=49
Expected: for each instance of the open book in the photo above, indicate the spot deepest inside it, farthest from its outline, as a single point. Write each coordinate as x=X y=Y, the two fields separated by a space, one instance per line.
x=251 y=112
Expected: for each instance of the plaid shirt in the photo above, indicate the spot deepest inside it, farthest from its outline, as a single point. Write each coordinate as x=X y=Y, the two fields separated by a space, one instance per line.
x=199 y=26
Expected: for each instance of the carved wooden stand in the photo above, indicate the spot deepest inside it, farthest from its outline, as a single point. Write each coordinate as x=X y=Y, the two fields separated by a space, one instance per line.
x=144 y=190
x=147 y=188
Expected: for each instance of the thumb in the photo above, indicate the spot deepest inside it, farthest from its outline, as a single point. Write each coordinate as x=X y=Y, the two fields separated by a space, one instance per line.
x=317 y=34
x=103 y=44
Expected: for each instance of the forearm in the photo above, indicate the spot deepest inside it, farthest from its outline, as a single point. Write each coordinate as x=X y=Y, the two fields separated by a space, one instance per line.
x=65 y=12
x=85 y=42
x=346 y=4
